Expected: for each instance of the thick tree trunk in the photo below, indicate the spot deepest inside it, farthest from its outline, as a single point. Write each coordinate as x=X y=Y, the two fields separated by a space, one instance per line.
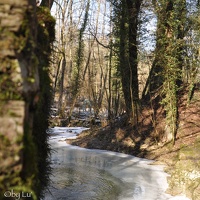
x=23 y=97
x=19 y=84
x=128 y=56
x=123 y=57
x=133 y=7
x=165 y=76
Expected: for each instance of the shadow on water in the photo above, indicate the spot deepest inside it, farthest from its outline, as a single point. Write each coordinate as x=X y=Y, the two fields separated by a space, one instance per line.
x=73 y=182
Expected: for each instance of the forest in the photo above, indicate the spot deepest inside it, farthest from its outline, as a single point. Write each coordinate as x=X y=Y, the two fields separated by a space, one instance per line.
x=125 y=55
x=131 y=67
x=138 y=62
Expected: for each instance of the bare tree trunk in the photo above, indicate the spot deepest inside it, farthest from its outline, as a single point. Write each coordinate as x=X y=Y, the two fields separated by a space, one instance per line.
x=110 y=112
x=56 y=77
x=61 y=91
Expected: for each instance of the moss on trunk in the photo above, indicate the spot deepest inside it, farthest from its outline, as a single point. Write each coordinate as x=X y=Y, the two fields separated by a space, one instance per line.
x=25 y=95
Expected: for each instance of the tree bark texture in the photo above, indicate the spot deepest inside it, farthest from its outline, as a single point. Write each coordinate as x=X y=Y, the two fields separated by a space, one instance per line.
x=24 y=93
x=19 y=84
x=128 y=55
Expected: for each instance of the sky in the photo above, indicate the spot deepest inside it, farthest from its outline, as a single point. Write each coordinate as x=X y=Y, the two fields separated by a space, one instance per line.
x=148 y=27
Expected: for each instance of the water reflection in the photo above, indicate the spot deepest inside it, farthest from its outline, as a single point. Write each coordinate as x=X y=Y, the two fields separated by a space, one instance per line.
x=72 y=182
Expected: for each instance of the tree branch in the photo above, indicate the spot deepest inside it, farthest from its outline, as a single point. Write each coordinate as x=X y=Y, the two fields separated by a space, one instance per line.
x=103 y=45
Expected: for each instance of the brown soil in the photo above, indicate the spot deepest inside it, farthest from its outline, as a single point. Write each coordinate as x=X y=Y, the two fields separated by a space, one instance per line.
x=148 y=139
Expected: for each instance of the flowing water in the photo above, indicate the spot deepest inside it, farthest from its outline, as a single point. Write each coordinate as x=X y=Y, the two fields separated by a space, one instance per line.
x=72 y=182
x=83 y=174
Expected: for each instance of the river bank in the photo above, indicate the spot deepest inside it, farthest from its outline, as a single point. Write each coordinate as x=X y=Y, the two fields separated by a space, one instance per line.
x=181 y=159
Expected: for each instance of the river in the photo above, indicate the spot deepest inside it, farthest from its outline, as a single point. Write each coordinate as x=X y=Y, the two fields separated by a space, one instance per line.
x=83 y=174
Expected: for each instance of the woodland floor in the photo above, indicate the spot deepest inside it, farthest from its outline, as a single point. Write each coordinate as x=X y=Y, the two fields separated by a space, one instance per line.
x=148 y=141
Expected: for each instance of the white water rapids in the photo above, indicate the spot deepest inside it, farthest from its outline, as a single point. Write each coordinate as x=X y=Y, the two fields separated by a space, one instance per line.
x=83 y=174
